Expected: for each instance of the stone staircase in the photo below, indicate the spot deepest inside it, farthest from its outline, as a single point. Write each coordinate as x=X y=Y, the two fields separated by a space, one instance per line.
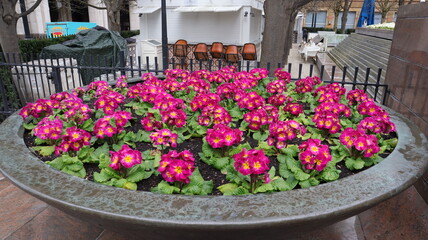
x=363 y=52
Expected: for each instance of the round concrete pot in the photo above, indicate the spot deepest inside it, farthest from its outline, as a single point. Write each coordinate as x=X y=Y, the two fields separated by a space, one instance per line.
x=261 y=216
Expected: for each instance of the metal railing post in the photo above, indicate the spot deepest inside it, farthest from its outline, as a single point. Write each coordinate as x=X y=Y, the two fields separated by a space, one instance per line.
x=56 y=78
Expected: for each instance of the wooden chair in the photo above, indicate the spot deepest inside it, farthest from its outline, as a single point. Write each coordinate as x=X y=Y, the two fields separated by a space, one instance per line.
x=217 y=50
x=249 y=52
x=180 y=48
x=201 y=52
x=232 y=54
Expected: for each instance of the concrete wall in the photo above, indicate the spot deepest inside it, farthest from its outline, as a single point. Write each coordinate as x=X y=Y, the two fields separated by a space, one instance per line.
x=407 y=73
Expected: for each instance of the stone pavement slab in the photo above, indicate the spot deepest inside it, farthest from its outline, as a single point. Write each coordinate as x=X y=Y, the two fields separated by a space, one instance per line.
x=17 y=208
x=52 y=224
x=404 y=216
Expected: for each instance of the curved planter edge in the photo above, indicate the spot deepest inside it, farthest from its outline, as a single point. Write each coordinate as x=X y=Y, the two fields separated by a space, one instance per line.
x=254 y=216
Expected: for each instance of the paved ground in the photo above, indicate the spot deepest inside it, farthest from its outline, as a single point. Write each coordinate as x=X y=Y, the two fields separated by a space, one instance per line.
x=23 y=217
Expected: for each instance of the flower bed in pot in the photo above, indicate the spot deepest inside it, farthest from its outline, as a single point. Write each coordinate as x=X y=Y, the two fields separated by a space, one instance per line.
x=262 y=136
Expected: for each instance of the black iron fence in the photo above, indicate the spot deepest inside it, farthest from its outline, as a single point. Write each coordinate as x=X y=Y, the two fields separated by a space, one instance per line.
x=23 y=81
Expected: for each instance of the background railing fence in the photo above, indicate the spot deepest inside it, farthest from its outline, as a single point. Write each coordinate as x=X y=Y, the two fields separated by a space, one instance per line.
x=26 y=78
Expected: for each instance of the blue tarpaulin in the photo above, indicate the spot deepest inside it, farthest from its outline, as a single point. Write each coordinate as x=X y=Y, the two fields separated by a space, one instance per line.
x=367 y=13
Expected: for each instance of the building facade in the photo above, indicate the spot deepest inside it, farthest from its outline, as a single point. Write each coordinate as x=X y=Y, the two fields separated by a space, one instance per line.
x=322 y=15
x=48 y=11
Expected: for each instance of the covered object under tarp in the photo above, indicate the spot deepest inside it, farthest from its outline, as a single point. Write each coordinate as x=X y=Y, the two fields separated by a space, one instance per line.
x=96 y=47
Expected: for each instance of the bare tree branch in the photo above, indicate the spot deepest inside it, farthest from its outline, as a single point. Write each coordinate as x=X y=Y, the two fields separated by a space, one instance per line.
x=92 y=6
x=35 y=5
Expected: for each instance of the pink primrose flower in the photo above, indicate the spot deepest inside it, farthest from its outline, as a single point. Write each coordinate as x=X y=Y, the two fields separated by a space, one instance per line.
x=279 y=99
x=164 y=137
x=73 y=139
x=314 y=155
x=294 y=108
x=259 y=73
x=49 y=129
x=377 y=124
x=356 y=97
x=358 y=139
x=221 y=135
x=121 y=82
x=177 y=166
x=251 y=162
x=125 y=157
x=282 y=75
x=276 y=86
x=282 y=131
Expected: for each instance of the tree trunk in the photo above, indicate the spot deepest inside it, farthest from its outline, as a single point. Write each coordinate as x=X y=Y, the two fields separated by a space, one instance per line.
x=8 y=19
x=277 y=36
x=64 y=10
x=113 y=14
x=347 y=5
x=336 y=19
x=9 y=37
x=8 y=34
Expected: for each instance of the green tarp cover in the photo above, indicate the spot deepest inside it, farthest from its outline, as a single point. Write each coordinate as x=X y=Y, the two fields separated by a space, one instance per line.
x=92 y=47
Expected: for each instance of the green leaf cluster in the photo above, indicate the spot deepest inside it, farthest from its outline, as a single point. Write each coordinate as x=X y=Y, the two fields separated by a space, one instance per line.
x=70 y=165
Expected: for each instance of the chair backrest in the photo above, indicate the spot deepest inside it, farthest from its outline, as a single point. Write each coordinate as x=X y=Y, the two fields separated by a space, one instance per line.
x=180 y=48
x=217 y=50
x=232 y=53
x=201 y=52
x=249 y=51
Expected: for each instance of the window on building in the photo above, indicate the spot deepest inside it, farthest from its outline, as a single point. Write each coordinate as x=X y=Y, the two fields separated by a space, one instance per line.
x=316 y=19
x=377 y=18
x=349 y=21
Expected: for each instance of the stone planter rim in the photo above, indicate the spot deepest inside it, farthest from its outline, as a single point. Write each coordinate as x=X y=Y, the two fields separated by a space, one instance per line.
x=336 y=199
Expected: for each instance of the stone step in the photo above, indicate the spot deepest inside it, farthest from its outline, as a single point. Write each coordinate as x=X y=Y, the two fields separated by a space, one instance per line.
x=370 y=50
x=363 y=51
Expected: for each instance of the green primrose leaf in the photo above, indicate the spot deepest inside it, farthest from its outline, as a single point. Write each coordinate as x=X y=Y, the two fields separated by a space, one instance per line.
x=165 y=188
x=239 y=148
x=113 y=122
x=101 y=177
x=156 y=163
x=120 y=183
x=291 y=182
x=145 y=136
x=88 y=125
x=279 y=184
x=244 y=125
x=56 y=163
x=284 y=171
x=45 y=150
x=313 y=181
x=39 y=141
x=264 y=188
x=291 y=151
x=305 y=184
x=329 y=175
x=138 y=173
x=227 y=188
x=221 y=163
x=130 y=186
x=257 y=136
x=281 y=158
x=29 y=126
x=301 y=176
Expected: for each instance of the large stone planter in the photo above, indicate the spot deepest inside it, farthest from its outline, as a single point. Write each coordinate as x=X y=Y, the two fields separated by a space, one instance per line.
x=263 y=216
